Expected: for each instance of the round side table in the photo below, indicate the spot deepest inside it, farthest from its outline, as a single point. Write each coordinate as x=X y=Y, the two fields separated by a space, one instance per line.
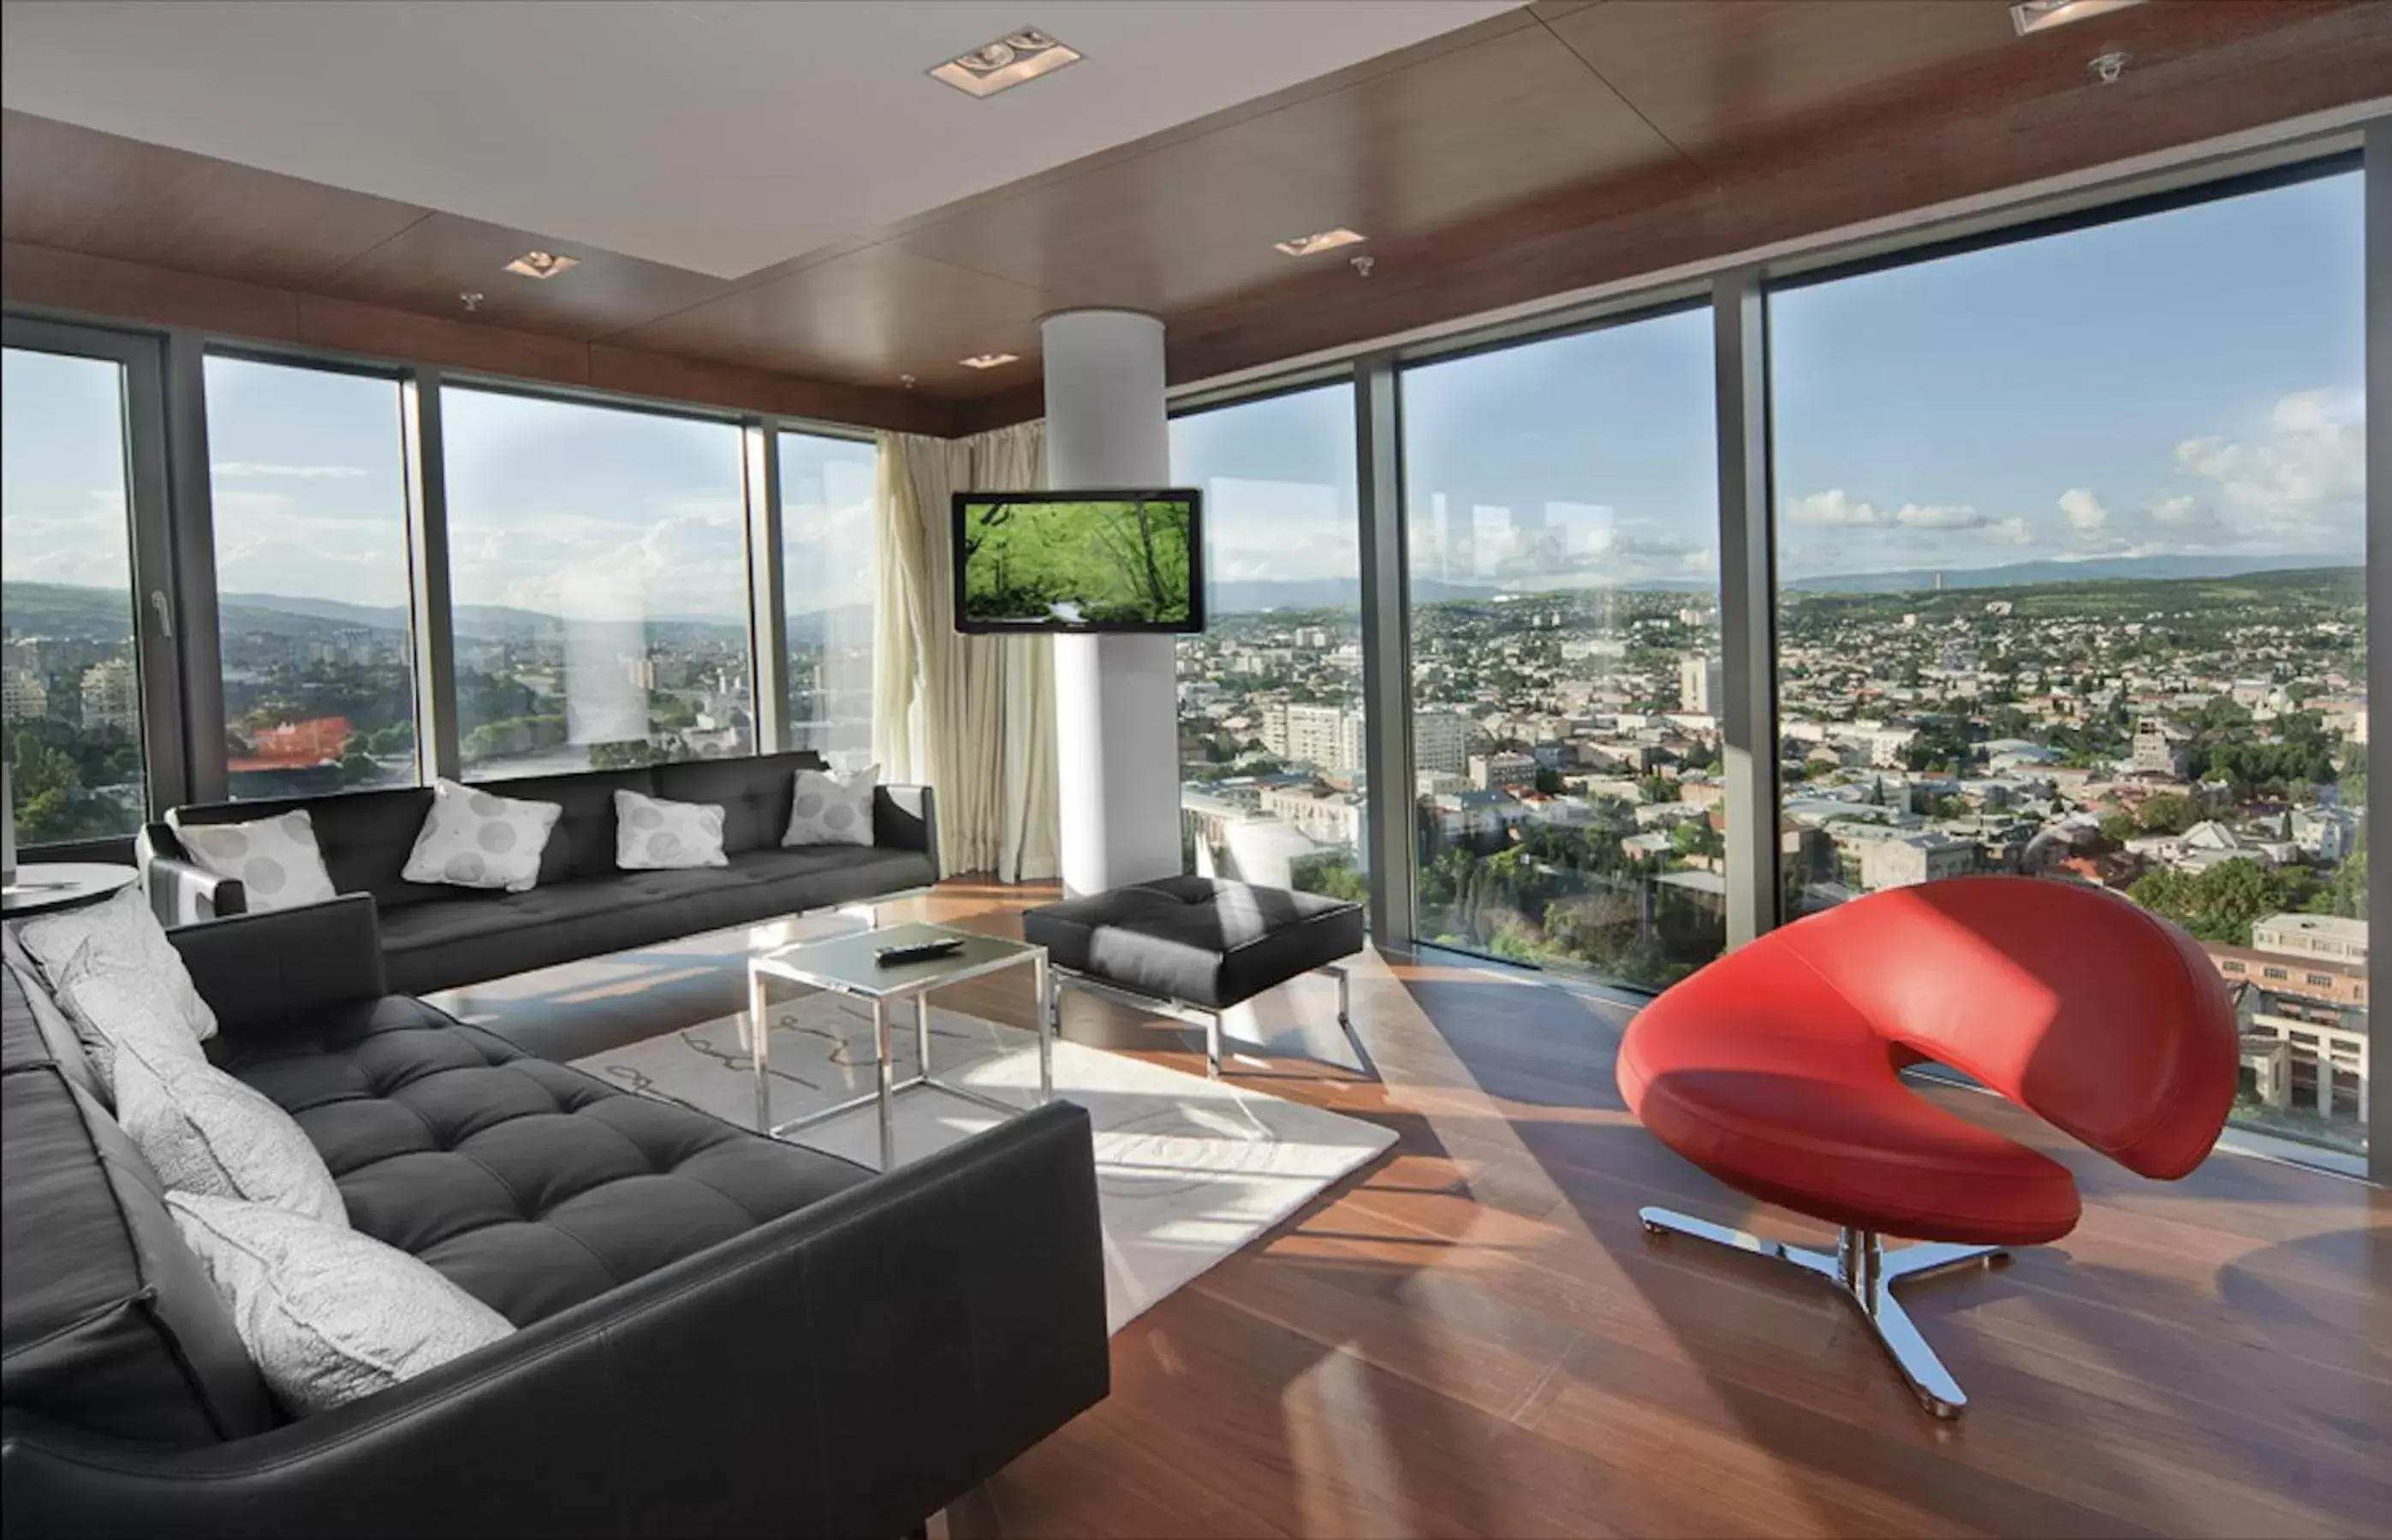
x=46 y=888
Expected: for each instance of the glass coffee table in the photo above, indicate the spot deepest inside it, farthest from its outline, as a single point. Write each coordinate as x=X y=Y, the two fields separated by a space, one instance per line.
x=848 y=966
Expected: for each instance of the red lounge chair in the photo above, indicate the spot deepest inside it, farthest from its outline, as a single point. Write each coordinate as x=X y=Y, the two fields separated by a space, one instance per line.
x=1777 y=1069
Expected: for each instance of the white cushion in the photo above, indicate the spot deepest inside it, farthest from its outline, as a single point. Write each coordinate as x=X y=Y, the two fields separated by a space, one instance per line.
x=327 y=1313
x=475 y=838
x=652 y=834
x=107 y=1011
x=275 y=860
x=202 y=1132
x=826 y=809
x=118 y=936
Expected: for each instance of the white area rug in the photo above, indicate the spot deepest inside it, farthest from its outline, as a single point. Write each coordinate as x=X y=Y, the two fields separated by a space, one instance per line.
x=1188 y=1169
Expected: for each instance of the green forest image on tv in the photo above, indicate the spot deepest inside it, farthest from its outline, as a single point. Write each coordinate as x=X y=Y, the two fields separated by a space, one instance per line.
x=1110 y=561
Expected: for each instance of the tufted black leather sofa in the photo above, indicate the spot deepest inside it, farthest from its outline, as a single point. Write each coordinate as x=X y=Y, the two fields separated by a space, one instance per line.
x=721 y=1334
x=436 y=937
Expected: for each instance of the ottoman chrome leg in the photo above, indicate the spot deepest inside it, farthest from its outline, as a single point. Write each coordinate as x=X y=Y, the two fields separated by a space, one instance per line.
x=1212 y=1045
x=1864 y=1273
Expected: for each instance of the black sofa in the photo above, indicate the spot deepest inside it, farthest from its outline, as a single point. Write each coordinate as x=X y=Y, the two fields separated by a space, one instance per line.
x=436 y=937
x=721 y=1334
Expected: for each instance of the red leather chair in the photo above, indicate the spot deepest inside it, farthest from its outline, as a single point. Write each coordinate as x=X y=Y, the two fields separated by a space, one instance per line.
x=1777 y=1069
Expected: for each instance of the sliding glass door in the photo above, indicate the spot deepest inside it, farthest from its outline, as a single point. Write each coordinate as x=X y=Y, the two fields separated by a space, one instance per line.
x=1562 y=507
x=2072 y=561
x=87 y=662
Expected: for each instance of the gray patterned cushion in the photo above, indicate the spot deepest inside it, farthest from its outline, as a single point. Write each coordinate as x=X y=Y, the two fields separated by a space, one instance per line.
x=328 y=1314
x=275 y=860
x=121 y=938
x=473 y=838
x=652 y=834
x=205 y=1133
x=827 y=810
x=107 y=1011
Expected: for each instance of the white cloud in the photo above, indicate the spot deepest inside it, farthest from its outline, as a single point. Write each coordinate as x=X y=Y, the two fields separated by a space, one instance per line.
x=2179 y=511
x=2083 y=511
x=2307 y=473
x=308 y=472
x=1836 y=508
x=1831 y=507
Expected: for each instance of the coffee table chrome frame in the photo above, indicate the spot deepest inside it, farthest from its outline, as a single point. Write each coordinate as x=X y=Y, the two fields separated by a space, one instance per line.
x=1208 y=1017
x=775 y=964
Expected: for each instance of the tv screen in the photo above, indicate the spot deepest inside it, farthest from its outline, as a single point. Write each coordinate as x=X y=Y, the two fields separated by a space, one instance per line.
x=1079 y=561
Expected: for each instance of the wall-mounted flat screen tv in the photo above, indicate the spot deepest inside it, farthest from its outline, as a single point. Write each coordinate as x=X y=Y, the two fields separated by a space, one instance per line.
x=1087 y=562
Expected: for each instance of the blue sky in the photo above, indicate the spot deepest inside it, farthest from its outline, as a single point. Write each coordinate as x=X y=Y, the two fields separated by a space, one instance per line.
x=2183 y=383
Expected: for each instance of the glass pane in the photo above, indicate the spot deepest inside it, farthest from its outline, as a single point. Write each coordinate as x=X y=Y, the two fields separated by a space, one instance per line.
x=598 y=574
x=2072 y=543
x=1270 y=695
x=829 y=564
x=308 y=473
x=1562 y=502
x=73 y=675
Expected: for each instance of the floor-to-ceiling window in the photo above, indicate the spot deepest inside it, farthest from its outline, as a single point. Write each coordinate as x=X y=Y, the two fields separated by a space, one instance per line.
x=1270 y=695
x=308 y=470
x=2071 y=546
x=829 y=562
x=1562 y=514
x=599 y=585
x=71 y=662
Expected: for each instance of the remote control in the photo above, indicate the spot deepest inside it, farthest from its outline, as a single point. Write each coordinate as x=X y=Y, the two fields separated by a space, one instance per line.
x=922 y=952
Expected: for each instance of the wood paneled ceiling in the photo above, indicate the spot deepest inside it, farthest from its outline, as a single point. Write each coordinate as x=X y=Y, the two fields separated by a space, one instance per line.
x=1565 y=143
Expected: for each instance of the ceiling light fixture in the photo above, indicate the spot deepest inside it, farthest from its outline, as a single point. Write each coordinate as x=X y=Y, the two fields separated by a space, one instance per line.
x=988 y=360
x=1018 y=56
x=2034 y=16
x=1324 y=241
x=541 y=265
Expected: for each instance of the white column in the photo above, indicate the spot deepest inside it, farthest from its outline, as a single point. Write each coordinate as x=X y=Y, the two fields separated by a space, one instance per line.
x=1116 y=703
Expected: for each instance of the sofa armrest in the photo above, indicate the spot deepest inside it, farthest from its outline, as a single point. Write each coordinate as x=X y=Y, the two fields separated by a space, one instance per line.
x=848 y=1369
x=906 y=818
x=280 y=962
x=181 y=891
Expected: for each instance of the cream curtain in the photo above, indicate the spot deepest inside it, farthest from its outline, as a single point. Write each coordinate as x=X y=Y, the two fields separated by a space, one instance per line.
x=973 y=717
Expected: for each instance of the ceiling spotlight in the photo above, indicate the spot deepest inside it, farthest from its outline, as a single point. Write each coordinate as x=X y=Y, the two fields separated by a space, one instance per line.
x=988 y=360
x=1325 y=240
x=473 y=298
x=541 y=265
x=2034 y=16
x=993 y=67
x=2107 y=68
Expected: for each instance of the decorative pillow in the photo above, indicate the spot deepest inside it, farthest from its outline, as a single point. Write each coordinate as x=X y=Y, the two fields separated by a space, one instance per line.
x=202 y=1132
x=275 y=860
x=328 y=1314
x=473 y=838
x=652 y=834
x=118 y=936
x=826 y=809
x=107 y=1012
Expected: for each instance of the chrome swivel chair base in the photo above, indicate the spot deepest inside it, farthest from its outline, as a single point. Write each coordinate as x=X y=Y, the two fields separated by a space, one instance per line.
x=1864 y=1273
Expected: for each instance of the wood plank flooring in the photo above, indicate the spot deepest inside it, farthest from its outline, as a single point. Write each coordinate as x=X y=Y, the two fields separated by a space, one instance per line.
x=1475 y=1336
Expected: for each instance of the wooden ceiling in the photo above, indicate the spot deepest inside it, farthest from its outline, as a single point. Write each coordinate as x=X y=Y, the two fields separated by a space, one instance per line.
x=1569 y=143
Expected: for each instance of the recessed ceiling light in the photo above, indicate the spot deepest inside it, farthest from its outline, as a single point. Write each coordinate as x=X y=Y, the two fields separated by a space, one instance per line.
x=541 y=265
x=1015 y=57
x=988 y=360
x=2034 y=16
x=1324 y=241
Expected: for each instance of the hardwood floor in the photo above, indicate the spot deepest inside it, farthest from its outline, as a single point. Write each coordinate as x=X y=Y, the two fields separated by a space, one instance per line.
x=1475 y=1336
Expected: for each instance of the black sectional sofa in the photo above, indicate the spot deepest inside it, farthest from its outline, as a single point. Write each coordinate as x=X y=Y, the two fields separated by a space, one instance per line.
x=436 y=937
x=720 y=1333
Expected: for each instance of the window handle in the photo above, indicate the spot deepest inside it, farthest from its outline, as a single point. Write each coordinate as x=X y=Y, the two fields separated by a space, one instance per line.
x=165 y=617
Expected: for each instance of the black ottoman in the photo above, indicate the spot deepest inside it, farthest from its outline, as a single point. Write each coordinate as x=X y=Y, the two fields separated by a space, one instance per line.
x=1191 y=947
